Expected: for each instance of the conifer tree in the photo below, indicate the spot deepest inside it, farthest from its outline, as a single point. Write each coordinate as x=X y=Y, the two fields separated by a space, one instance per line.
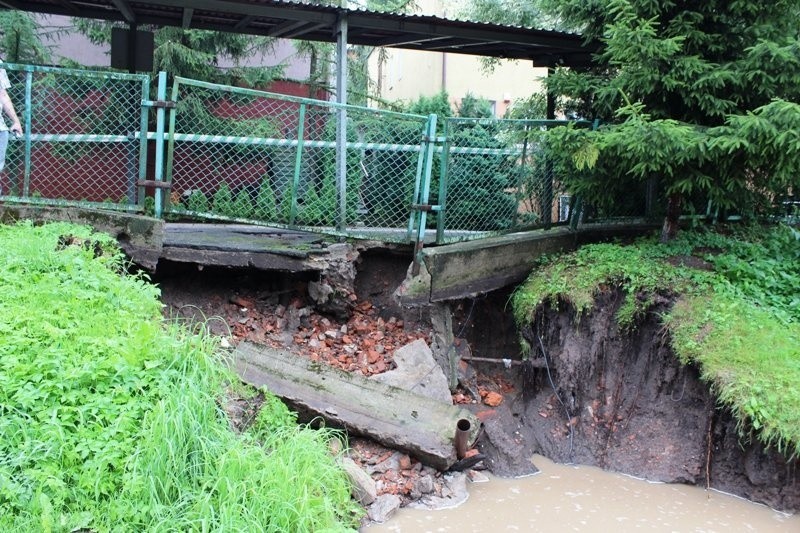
x=197 y=54
x=20 y=38
x=694 y=95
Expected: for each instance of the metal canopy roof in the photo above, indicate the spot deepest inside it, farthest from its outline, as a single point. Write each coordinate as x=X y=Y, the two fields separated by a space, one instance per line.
x=299 y=20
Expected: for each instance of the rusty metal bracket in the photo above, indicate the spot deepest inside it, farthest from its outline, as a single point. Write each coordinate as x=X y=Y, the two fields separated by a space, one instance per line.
x=154 y=183
x=166 y=104
x=426 y=207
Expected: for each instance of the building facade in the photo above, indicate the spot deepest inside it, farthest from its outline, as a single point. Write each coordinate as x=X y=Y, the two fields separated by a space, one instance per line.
x=406 y=75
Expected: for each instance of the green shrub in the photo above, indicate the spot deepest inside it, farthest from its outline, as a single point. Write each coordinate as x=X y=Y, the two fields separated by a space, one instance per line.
x=242 y=206
x=222 y=203
x=197 y=202
x=265 y=208
x=110 y=420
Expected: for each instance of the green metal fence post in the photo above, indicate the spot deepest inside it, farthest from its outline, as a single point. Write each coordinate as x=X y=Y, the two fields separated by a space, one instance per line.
x=430 y=140
x=28 y=127
x=412 y=215
x=443 y=181
x=159 y=171
x=144 y=114
x=298 y=160
x=171 y=135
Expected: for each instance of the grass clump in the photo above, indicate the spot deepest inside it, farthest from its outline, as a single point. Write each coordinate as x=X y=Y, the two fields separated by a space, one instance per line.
x=111 y=421
x=738 y=317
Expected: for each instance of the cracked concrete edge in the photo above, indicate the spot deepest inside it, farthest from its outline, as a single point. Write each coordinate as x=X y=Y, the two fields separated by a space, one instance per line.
x=140 y=237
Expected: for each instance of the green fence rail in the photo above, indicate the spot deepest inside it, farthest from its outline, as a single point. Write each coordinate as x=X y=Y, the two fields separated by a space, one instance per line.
x=84 y=137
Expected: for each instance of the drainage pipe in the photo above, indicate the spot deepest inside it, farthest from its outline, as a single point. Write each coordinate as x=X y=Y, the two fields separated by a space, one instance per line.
x=463 y=427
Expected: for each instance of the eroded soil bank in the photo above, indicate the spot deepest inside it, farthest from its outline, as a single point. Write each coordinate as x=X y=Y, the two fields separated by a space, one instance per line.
x=621 y=400
x=618 y=400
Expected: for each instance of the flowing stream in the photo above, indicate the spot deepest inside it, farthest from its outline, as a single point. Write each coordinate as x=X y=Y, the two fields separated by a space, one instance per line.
x=571 y=498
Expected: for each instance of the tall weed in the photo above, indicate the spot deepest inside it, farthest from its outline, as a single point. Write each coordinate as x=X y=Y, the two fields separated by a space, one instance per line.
x=110 y=421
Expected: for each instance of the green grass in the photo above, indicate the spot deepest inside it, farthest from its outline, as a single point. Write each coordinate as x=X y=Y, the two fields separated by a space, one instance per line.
x=751 y=360
x=110 y=419
x=739 y=321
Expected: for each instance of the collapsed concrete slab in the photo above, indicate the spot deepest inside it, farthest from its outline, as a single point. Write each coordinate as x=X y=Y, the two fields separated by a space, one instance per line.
x=140 y=237
x=418 y=425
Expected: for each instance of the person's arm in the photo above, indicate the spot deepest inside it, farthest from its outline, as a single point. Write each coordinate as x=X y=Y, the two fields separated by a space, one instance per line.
x=8 y=109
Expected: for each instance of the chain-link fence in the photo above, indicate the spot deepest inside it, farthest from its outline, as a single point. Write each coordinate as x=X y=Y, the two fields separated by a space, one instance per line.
x=494 y=177
x=244 y=154
x=84 y=137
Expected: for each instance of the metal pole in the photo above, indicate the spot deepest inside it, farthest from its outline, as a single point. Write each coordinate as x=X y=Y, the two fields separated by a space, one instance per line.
x=341 y=125
x=28 y=118
x=425 y=192
x=145 y=112
x=159 y=171
x=443 y=185
x=298 y=163
x=171 y=130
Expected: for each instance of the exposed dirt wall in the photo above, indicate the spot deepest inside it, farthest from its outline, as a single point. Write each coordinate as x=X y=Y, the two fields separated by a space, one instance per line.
x=633 y=408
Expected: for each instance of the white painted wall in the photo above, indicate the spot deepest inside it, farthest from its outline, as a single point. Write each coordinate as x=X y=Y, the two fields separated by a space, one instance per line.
x=409 y=74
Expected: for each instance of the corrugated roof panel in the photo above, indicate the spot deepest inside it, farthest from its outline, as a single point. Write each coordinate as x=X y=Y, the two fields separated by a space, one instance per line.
x=317 y=22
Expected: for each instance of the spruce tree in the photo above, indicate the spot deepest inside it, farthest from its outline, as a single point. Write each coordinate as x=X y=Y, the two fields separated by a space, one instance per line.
x=22 y=38
x=694 y=96
x=197 y=54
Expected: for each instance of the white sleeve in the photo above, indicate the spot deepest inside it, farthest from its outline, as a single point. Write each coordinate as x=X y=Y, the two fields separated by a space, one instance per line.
x=4 y=83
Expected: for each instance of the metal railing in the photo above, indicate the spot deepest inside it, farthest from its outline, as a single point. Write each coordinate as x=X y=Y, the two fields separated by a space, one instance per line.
x=495 y=177
x=84 y=137
x=230 y=153
x=240 y=153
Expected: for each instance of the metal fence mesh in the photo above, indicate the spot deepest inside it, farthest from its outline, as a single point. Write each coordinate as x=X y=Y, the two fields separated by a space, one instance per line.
x=83 y=136
x=494 y=177
x=239 y=153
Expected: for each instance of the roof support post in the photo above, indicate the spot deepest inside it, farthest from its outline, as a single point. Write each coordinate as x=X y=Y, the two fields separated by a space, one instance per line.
x=341 y=124
x=132 y=33
x=551 y=97
x=547 y=192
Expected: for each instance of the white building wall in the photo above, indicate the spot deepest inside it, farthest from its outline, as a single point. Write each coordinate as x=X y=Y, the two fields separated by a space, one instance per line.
x=408 y=74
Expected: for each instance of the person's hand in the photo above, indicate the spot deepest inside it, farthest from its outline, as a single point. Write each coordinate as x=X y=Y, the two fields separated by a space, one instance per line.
x=16 y=128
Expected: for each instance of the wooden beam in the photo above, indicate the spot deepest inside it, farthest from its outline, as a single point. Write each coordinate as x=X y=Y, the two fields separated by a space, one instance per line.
x=285 y=27
x=422 y=426
x=125 y=9
x=188 y=12
x=244 y=22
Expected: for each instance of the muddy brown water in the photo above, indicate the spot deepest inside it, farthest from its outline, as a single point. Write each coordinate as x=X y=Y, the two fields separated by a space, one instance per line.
x=580 y=498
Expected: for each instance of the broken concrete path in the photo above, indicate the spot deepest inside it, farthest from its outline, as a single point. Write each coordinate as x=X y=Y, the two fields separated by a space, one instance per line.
x=420 y=426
